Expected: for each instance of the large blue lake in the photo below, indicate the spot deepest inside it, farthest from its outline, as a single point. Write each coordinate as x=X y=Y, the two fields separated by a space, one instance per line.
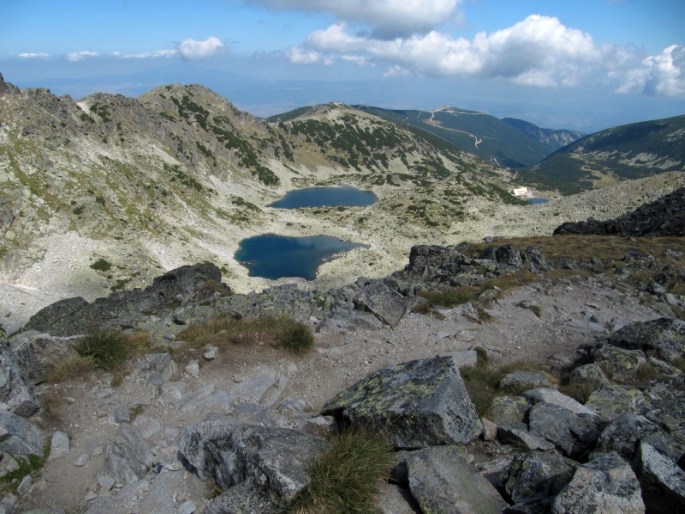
x=325 y=197
x=272 y=256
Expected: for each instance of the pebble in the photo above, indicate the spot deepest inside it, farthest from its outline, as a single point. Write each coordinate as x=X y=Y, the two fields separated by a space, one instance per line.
x=210 y=353
x=187 y=508
x=193 y=368
x=59 y=446
x=81 y=460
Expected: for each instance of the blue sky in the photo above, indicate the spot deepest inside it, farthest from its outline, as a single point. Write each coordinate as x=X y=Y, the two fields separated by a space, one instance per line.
x=586 y=64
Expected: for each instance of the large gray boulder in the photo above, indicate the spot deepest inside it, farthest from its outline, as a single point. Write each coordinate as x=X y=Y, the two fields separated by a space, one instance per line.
x=574 y=434
x=537 y=475
x=611 y=401
x=663 y=481
x=384 y=302
x=273 y=460
x=38 y=353
x=128 y=458
x=619 y=364
x=21 y=436
x=14 y=391
x=417 y=404
x=441 y=480
x=509 y=411
x=663 y=338
x=623 y=435
x=606 y=484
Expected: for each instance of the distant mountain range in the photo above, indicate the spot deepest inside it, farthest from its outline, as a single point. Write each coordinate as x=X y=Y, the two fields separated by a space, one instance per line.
x=627 y=152
x=504 y=142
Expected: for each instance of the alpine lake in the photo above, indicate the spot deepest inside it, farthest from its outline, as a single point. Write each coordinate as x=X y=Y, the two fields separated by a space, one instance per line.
x=274 y=256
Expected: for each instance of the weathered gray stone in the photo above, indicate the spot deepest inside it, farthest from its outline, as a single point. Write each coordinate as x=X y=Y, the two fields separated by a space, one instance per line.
x=606 y=484
x=665 y=405
x=618 y=364
x=7 y=464
x=384 y=302
x=156 y=368
x=14 y=392
x=573 y=434
x=590 y=375
x=613 y=400
x=441 y=480
x=418 y=403
x=134 y=439
x=23 y=437
x=243 y=498
x=519 y=381
x=59 y=446
x=523 y=438
x=509 y=410
x=272 y=459
x=536 y=475
x=394 y=500
x=663 y=338
x=553 y=397
x=623 y=434
x=128 y=458
x=663 y=482
x=38 y=353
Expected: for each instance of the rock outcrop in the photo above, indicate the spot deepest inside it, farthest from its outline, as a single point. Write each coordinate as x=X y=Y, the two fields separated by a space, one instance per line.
x=416 y=404
x=664 y=217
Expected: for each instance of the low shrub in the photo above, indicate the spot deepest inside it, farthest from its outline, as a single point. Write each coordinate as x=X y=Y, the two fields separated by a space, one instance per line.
x=73 y=365
x=101 y=265
x=346 y=476
x=281 y=331
x=109 y=350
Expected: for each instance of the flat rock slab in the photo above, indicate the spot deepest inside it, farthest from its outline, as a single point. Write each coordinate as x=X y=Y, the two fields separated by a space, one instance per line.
x=662 y=480
x=441 y=480
x=663 y=337
x=417 y=404
x=273 y=460
x=537 y=474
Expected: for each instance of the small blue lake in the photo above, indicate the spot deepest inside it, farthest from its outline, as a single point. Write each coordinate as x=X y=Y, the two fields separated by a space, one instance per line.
x=325 y=197
x=272 y=256
x=537 y=201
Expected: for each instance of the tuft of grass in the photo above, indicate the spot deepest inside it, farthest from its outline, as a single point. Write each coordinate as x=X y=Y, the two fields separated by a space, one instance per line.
x=71 y=366
x=101 y=265
x=109 y=350
x=579 y=392
x=346 y=476
x=281 y=331
x=452 y=296
x=296 y=338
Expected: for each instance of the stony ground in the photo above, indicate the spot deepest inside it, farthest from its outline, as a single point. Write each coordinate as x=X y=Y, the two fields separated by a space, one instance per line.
x=244 y=381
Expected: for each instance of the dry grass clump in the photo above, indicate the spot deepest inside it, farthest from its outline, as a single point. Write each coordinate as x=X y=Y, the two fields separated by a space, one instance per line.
x=346 y=476
x=282 y=332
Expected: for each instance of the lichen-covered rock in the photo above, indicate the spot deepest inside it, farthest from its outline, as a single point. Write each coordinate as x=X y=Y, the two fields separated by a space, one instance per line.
x=243 y=498
x=441 y=480
x=619 y=364
x=606 y=484
x=508 y=411
x=522 y=438
x=663 y=338
x=613 y=400
x=665 y=405
x=590 y=375
x=417 y=404
x=574 y=434
x=623 y=435
x=273 y=460
x=519 y=381
x=554 y=397
x=536 y=475
x=663 y=482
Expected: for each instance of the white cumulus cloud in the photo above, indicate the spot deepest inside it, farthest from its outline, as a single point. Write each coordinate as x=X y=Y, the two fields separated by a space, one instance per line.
x=78 y=56
x=539 y=51
x=662 y=74
x=301 y=55
x=193 y=49
x=389 y=18
x=33 y=55
x=146 y=55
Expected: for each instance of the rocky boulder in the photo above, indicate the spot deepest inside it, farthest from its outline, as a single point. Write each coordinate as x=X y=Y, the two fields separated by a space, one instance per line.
x=537 y=475
x=38 y=353
x=14 y=391
x=121 y=310
x=663 y=338
x=270 y=460
x=441 y=480
x=606 y=484
x=417 y=404
x=663 y=482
